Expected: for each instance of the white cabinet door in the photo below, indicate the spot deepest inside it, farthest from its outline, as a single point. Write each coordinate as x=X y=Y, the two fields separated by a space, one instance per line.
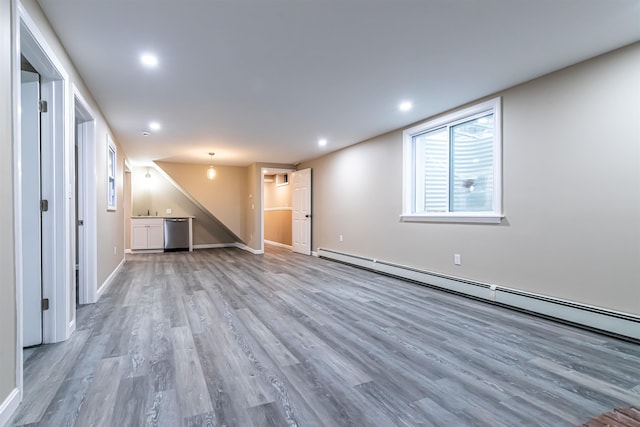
x=155 y=238
x=139 y=237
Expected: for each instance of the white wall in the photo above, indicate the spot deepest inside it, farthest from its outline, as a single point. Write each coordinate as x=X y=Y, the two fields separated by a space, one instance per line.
x=571 y=155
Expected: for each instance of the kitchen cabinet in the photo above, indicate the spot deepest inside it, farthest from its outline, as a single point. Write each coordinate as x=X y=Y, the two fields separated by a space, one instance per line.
x=147 y=233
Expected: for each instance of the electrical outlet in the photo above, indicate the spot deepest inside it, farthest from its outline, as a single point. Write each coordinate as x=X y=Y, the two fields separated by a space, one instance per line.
x=115 y=250
x=456 y=259
x=168 y=210
x=340 y=237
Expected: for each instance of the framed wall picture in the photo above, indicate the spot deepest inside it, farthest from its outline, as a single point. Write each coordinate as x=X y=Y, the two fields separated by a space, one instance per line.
x=112 y=168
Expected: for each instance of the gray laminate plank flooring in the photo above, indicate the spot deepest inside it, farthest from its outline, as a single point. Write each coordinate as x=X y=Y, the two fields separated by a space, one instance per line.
x=225 y=338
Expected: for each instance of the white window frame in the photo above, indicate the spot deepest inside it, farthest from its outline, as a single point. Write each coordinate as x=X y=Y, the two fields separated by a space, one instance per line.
x=408 y=170
x=112 y=171
x=282 y=179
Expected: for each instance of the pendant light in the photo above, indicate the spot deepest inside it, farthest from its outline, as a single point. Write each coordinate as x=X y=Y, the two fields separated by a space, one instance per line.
x=211 y=172
x=147 y=175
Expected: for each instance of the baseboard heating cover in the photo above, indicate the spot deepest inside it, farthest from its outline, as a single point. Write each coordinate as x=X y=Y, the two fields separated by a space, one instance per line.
x=605 y=320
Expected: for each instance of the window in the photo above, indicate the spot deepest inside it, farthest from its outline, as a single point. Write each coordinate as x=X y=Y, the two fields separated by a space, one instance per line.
x=111 y=174
x=453 y=167
x=282 y=179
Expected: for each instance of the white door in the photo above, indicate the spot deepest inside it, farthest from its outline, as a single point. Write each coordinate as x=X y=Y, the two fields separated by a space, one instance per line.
x=31 y=213
x=301 y=201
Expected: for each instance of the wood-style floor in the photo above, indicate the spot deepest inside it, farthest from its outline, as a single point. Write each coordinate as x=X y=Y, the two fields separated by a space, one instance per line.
x=225 y=338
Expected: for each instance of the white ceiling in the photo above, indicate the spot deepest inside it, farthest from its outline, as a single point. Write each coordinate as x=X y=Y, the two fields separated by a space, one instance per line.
x=263 y=80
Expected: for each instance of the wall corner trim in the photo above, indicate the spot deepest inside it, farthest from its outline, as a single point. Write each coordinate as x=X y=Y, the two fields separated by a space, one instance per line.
x=619 y=324
x=109 y=280
x=9 y=406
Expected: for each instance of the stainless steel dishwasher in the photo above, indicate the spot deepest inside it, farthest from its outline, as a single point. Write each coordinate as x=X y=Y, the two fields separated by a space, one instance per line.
x=176 y=234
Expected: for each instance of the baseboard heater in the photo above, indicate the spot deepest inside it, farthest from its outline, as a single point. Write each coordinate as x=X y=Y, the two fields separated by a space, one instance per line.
x=607 y=321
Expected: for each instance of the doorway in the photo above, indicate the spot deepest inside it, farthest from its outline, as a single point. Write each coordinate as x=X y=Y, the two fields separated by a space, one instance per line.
x=277 y=208
x=86 y=281
x=290 y=208
x=53 y=170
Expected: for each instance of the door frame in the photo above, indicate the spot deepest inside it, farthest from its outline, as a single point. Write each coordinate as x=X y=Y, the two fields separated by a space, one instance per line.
x=85 y=134
x=57 y=158
x=262 y=172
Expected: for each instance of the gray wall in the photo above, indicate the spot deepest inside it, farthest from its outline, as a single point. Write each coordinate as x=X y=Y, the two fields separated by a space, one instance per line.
x=7 y=278
x=571 y=195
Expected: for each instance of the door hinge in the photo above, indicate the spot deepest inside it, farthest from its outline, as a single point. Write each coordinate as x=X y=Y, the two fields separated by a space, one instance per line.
x=42 y=106
x=81 y=222
x=45 y=304
x=44 y=205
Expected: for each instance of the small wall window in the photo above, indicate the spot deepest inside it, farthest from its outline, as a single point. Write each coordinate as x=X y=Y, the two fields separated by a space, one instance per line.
x=452 y=167
x=282 y=179
x=111 y=174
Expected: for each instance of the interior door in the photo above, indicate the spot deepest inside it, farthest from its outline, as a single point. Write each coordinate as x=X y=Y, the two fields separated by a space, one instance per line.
x=301 y=201
x=31 y=210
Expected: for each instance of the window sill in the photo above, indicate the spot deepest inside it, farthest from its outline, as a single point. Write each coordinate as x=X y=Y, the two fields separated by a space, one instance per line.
x=483 y=218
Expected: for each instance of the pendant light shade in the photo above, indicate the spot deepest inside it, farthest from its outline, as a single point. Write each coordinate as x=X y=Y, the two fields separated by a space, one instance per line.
x=147 y=175
x=211 y=172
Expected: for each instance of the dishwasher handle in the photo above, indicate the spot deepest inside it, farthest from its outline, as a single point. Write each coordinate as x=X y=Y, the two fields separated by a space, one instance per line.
x=176 y=219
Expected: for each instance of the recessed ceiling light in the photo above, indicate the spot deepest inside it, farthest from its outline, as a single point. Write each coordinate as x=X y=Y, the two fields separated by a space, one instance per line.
x=405 y=106
x=154 y=126
x=322 y=142
x=149 y=60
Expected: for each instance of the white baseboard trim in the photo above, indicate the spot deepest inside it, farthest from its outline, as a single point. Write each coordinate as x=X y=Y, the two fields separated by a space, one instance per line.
x=107 y=282
x=602 y=319
x=9 y=406
x=281 y=245
x=314 y=253
x=214 y=246
x=248 y=249
x=127 y=251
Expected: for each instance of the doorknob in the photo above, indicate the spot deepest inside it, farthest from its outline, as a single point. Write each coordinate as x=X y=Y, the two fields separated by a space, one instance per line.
x=307 y=216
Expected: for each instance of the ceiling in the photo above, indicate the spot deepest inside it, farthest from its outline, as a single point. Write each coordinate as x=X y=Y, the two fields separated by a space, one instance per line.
x=264 y=80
